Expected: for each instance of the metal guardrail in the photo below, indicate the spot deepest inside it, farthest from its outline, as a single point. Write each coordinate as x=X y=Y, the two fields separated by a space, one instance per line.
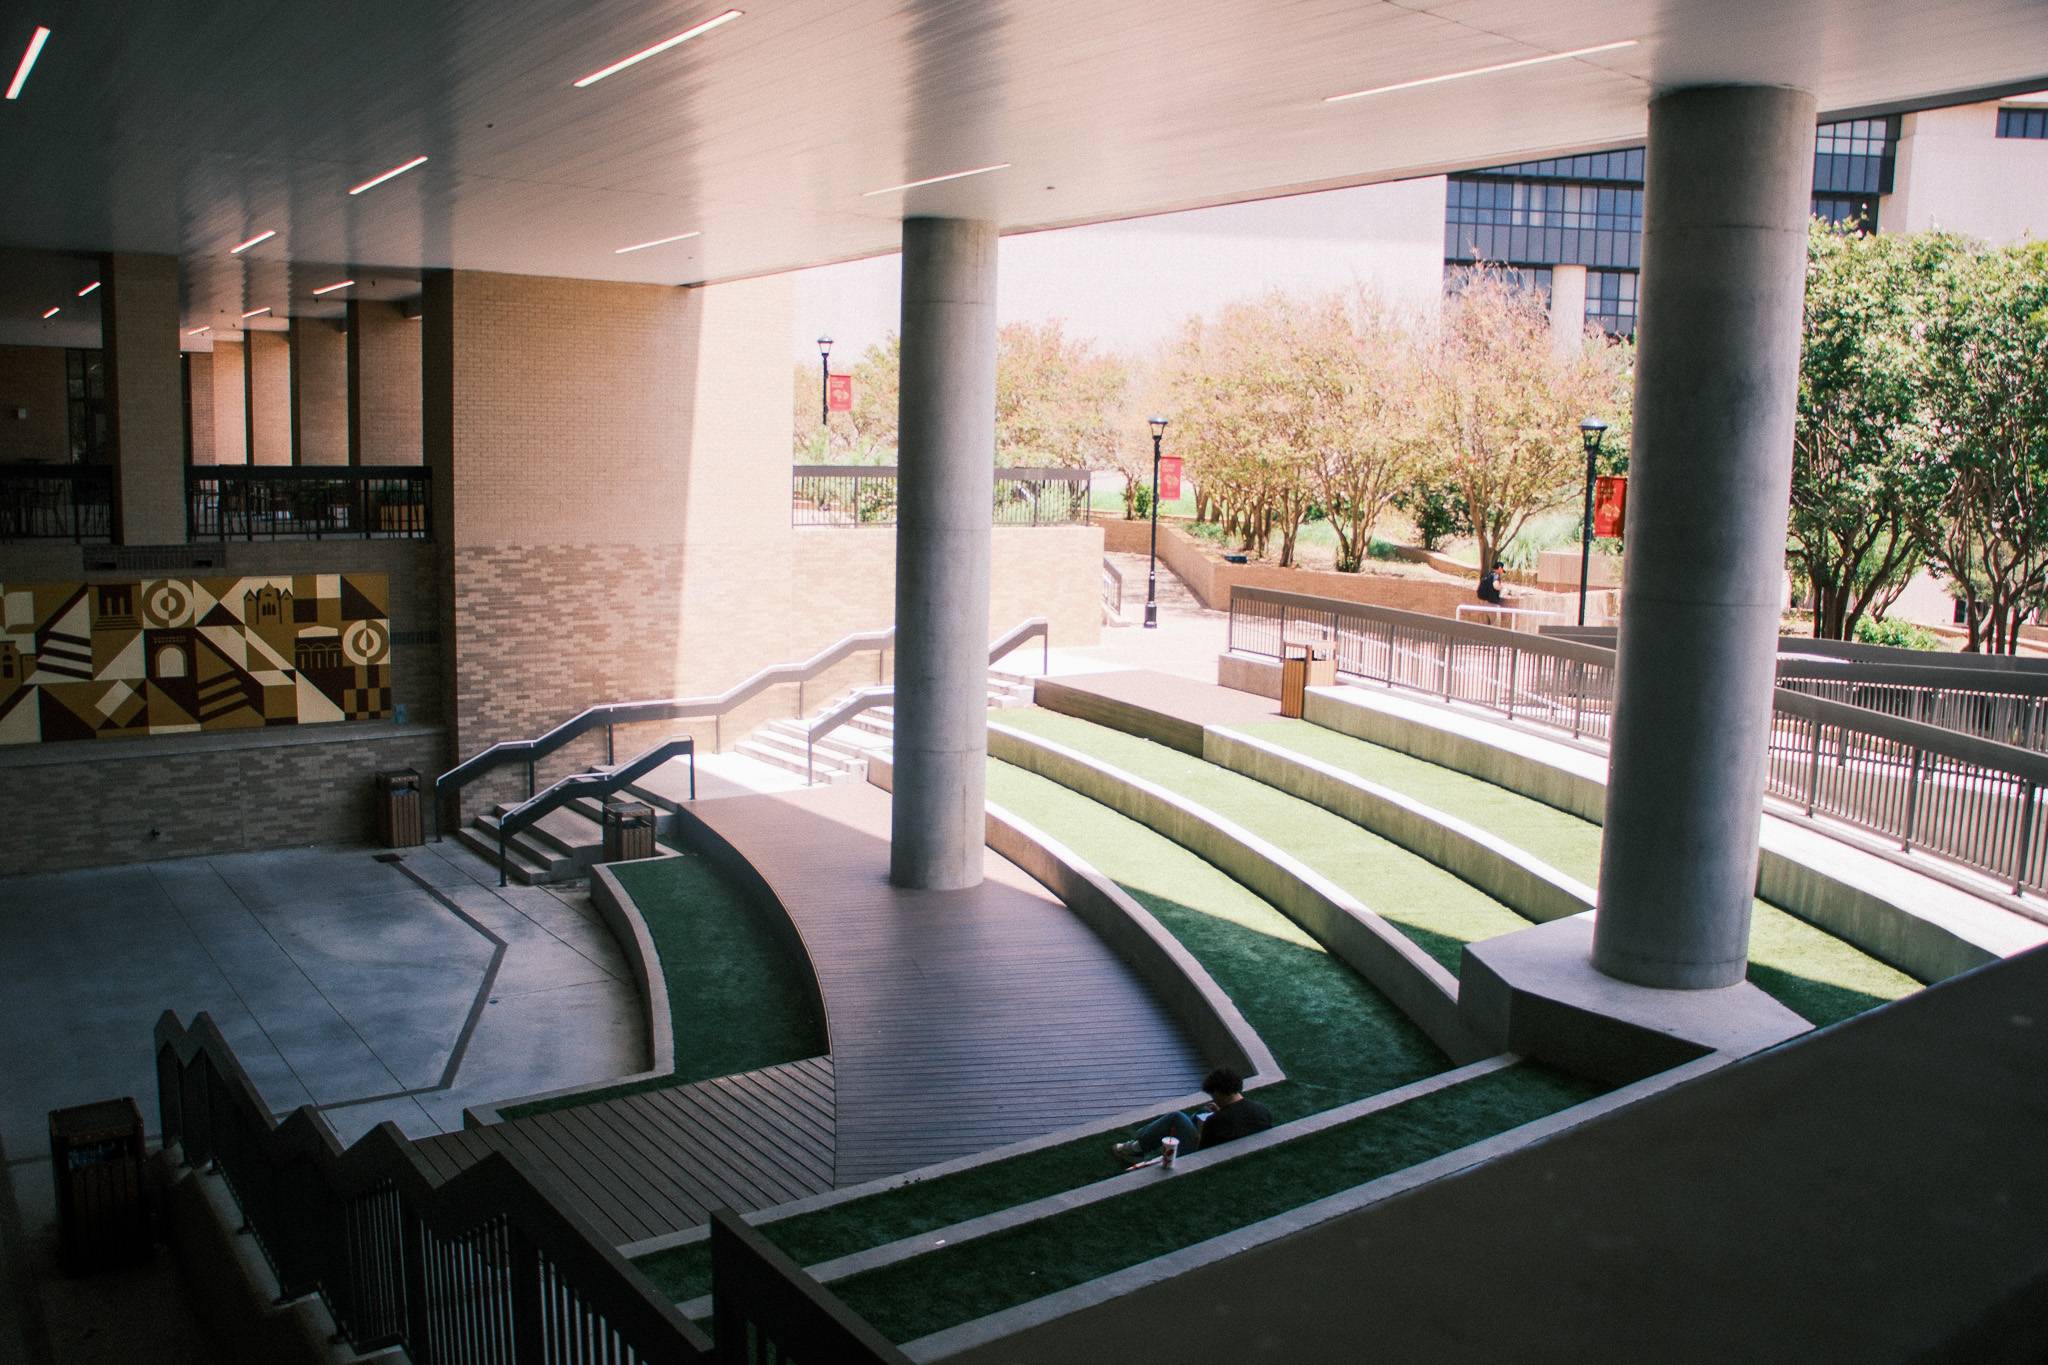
x=1112 y=589
x=300 y=502
x=1969 y=799
x=615 y=714
x=865 y=495
x=594 y=785
x=487 y=1266
x=869 y=698
x=72 y=502
x=773 y=1312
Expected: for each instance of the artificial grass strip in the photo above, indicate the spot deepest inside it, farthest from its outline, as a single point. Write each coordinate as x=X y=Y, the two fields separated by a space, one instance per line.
x=960 y=1283
x=1435 y=909
x=1808 y=970
x=1337 y=1038
x=738 y=999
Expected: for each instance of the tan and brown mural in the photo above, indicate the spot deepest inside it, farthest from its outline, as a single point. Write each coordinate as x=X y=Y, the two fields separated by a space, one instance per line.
x=168 y=656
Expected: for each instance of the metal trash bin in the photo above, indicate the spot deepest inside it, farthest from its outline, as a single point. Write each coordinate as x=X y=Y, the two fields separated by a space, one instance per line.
x=102 y=1209
x=628 y=831
x=1303 y=667
x=398 y=808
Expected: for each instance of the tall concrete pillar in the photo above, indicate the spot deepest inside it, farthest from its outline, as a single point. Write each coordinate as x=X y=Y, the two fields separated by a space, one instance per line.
x=1567 y=308
x=1717 y=368
x=946 y=420
x=383 y=384
x=146 y=394
x=267 y=397
x=319 y=392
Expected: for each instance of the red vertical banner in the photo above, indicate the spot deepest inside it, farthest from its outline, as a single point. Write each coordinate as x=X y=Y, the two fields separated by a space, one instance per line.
x=839 y=393
x=1169 y=478
x=1610 y=505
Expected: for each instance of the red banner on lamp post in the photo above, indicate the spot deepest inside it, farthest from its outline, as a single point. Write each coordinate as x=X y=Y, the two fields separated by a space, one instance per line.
x=1610 y=505
x=1169 y=478
x=839 y=393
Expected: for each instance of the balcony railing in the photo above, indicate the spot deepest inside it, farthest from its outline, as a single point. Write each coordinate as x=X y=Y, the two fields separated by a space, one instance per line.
x=56 y=502
x=865 y=495
x=256 y=502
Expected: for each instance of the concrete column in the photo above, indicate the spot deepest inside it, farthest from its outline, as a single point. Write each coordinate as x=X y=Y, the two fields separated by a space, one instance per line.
x=1724 y=252
x=146 y=395
x=946 y=449
x=199 y=403
x=383 y=384
x=1567 y=308
x=319 y=392
x=267 y=397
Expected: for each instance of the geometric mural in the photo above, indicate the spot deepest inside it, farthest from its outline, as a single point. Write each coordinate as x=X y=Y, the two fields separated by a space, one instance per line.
x=173 y=656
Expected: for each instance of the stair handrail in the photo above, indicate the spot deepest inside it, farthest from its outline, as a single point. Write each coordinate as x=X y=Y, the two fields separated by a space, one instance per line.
x=595 y=785
x=868 y=698
x=614 y=714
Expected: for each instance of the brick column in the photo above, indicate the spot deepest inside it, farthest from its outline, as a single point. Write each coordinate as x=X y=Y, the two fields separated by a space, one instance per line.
x=267 y=397
x=199 y=402
x=145 y=396
x=319 y=392
x=384 y=378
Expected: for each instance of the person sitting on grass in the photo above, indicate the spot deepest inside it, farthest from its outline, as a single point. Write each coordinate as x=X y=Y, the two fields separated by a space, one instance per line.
x=1229 y=1116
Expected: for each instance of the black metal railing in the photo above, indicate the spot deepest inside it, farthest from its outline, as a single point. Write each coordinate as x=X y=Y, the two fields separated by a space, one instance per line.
x=865 y=495
x=767 y=1311
x=595 y=786
x=1966 y=798
x=56 y=502
x=1112 y=589
x=286 y=502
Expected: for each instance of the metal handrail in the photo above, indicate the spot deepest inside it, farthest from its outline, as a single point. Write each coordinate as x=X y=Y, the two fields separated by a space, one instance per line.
x=595 y=785
x=869 y=698
x=615 y=714
x=1964 y=797
x=1112 y=588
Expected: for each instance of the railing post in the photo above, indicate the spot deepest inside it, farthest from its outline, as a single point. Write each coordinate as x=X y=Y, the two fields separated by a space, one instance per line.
x=611 y=748
x=1912 y=800
x=2026 y=838
x=501 y=850
x=412 y=1250
x=1450 y=658
x=1578 y=696
x=1514 y=662
x=1813 y=771
x=810 y=759
x=528 y=1347
x=529 y=777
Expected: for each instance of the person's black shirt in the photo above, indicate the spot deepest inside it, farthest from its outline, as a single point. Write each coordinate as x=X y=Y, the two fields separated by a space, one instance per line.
x=1234 y=1121
x=1489 y=587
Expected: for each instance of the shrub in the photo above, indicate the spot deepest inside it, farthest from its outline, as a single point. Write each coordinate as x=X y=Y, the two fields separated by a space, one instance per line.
x=1897 y=634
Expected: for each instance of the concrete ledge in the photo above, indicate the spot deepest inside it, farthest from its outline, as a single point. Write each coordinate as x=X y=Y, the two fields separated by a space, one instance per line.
x=1502 y=870
x=1142 y=721
x=1536 y=993
x=1415 y=982
x=1244 y=673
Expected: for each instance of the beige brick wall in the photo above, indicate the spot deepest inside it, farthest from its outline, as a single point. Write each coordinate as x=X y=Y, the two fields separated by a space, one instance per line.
x=230 y=411
x=199 y=404
x=267 y=391
x=383 y=377
x=32 y=377
x=146 y=395
x=319 y=392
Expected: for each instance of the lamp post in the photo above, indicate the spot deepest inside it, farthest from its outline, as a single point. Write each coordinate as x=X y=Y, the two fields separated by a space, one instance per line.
x=825 y=380
x=1152 y=568
x=1591 y=431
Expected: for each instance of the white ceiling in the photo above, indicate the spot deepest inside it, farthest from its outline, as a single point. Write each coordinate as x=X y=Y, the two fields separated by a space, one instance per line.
x=185 y=128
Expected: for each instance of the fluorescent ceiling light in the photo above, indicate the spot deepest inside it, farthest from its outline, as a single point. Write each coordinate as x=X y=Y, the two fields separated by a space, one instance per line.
x=394 y=171
x=195 y=331
x=956 y=175
x=330 y=288
x=1482 y=71
x=659 y=241
x=52 y=313
x=664 y=45
x=256 y=312
x=28 y=59
x=88 y=289
x=259 y=237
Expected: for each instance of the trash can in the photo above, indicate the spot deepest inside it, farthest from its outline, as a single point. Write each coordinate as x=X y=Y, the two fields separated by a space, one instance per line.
x=102 y=1211
x=628 y=831
x=1303 y=667
x=398 y=808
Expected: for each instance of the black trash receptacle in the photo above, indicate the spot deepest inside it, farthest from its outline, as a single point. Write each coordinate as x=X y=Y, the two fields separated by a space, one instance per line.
x=628 y=831
x=398 y=808
x=102 y=1208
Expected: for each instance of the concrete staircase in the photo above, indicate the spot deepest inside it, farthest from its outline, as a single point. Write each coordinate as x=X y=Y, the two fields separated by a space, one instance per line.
x=842 y=755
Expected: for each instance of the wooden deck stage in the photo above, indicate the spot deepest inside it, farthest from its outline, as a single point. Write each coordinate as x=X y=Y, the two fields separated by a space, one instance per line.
x=959 y=1021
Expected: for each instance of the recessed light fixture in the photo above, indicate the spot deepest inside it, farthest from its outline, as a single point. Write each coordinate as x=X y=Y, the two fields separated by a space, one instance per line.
x=255 y=312
x=375 y=181
x=936 y=179
x=330 y=288
x=88 y=289
x=659 y=241
x=664 y=45
x=259 y=237
x=52 y=313
x=1481 y=71
x=28 y=59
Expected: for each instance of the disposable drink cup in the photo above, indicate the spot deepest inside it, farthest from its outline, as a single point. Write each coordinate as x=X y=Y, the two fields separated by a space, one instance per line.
x=1171 y=1148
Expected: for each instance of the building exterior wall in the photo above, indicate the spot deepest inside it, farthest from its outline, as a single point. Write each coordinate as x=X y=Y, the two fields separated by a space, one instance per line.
x=267 y=383
x=230 y=405
x=383 y=377
x=1956 y=173
x=34 y=420
x=199 y=406
x=319 y=392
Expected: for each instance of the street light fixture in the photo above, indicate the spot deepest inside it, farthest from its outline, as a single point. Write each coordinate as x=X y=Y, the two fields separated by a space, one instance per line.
x=1591 y=431
x=1152 y=569
x=825 y=380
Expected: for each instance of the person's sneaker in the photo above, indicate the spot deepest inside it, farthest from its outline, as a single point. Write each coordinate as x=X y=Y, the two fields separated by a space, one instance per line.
x=1125 y=1151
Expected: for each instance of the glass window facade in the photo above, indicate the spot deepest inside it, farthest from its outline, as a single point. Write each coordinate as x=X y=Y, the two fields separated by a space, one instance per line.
x=1588 y=210
x=2023 y=123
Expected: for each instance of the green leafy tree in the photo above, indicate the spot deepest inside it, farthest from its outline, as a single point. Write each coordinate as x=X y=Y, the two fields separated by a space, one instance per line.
x=1058 y=399
x=866 y=435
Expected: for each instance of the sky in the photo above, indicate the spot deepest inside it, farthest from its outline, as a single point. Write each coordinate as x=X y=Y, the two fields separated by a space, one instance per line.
x=1128 y=285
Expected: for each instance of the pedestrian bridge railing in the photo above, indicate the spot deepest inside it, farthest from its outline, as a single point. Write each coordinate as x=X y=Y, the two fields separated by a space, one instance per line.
x=865 y=495
x=1965 y=797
